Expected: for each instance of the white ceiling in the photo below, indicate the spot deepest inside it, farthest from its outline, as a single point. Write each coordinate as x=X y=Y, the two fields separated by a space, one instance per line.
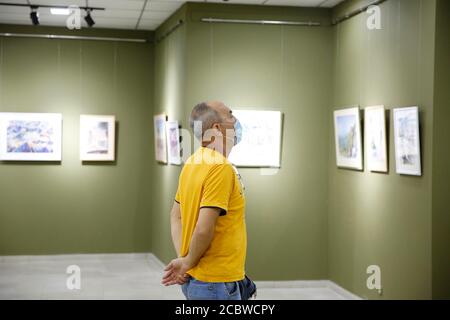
x=126 y=14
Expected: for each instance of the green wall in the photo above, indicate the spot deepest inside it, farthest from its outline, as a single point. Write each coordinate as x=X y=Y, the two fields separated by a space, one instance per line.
x=384 y=219
x=170 y=65
x=70 y=207
x=259 y=67
x=441 y=155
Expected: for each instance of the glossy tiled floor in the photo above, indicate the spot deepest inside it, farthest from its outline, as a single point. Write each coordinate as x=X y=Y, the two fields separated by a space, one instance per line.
x=121 y=276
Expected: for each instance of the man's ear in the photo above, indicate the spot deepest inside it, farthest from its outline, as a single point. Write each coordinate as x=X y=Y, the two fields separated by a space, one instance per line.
x=217 y=127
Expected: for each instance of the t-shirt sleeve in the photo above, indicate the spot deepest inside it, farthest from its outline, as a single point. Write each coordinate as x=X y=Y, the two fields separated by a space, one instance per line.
x=217 y=187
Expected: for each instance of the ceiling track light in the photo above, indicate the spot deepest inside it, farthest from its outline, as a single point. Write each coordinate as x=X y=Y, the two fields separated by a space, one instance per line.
x=34 y=15
x=54 y=9
x=88 y=18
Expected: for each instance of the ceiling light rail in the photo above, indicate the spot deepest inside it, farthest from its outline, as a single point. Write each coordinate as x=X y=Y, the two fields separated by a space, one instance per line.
x=65 y=37
x=45 y=6
x=356 y=12
x=54 y=9
x=269 y=22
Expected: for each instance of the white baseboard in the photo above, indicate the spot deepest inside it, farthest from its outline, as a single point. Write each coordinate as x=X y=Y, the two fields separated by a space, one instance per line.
x=343 y=292
x=72 y=256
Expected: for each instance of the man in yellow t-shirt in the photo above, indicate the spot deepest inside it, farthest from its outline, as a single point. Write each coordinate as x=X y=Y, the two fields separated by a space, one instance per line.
x=208 y=215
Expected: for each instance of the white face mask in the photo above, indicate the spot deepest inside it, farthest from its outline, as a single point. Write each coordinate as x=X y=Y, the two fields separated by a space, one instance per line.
x=238 y=132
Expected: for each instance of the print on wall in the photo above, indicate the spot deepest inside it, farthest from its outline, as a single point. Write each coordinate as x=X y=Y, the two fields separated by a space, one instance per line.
x=261 y=139
x=173 y=142
x=97 y=137
x=347 y=127
x=407 y=141
x=375 y=139
x=30 y=136
x=159 y=122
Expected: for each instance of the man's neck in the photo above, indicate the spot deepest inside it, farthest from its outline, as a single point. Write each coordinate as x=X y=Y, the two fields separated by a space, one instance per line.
x=213 y=147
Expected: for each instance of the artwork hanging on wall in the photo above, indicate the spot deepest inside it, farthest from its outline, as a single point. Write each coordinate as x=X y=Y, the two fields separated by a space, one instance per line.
x=97 y=137
x=407 y=141
x=173 y=142
x=261 y=139
x=375 y=139
x=347 y=127
x=159 y=122
x=30 y=136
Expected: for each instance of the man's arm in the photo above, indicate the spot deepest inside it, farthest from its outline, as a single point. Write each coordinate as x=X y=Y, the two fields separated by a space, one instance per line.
x=201 y=239
x=203 y=235
x=175 y=226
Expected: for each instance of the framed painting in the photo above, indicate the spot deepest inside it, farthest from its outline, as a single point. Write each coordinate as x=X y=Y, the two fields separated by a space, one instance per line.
x=30 y=136
x=407 y=141
x=261 y=139
x=159 y=122
x=347 y=128
x=173 y=142
x=375 y=138
x=97 y=137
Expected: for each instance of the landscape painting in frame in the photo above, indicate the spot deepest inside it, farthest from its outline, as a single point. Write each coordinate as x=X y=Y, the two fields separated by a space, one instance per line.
x=347 y=128
x=30 y=136
x=159 y=122
x=375 y=139
x=97 y=137
x=407 y=141
x=261 y=139
x=173 y=142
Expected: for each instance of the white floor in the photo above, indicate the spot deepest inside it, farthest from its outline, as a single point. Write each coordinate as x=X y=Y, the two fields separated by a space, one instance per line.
x=125 y=276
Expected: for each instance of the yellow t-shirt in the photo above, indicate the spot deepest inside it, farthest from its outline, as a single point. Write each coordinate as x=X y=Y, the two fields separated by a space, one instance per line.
x=208 y=179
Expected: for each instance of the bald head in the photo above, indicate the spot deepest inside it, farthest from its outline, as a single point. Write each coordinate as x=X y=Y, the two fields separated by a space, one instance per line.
x=206 y=113
x=221 y=108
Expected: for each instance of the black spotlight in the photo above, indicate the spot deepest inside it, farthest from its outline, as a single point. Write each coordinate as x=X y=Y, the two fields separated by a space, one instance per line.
x=34 y=15
x=88 y=18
